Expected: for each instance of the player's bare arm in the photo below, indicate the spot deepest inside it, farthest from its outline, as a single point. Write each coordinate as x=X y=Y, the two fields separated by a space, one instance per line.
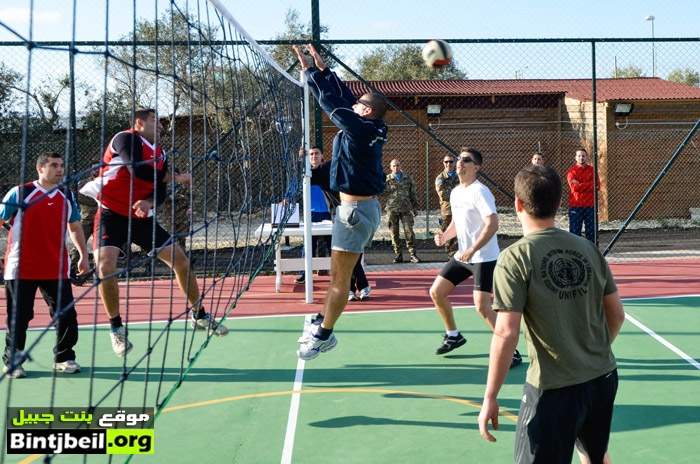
x=490 y=228
x=503 y=343
x=614 y=313
x=77 y=236
x=443 y=237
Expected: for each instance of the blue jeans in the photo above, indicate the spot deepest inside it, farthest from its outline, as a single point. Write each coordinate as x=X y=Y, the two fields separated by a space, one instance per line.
x=578 y=216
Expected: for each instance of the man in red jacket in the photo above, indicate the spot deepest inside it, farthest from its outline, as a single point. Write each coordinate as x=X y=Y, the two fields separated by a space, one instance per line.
x=580 y=180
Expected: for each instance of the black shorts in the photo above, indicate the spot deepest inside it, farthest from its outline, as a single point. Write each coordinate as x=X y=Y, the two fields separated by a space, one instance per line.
x=457 y=272
x=115 y=230
x=550 y=422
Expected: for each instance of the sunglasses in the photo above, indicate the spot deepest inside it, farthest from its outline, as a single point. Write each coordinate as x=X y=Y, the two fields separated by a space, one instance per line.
x=364 y=102
x=466 y=159
x=448 y=161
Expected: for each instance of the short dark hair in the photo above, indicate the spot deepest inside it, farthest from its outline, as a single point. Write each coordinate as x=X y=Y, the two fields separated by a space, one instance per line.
x=142 y=114
x=377 y=103
x=316 y=147
x=476 y=154
x=43 y=158
x=539 y=188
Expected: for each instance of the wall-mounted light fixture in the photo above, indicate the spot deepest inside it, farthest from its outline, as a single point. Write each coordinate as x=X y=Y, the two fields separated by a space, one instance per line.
x=434 y=110
x=623 y=109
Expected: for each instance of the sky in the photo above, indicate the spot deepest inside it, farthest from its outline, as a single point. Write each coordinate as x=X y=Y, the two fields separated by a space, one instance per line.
x=397 y=19
x=381 y=19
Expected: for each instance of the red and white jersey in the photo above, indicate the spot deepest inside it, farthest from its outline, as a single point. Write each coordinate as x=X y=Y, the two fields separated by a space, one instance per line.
x=128 y=153
x=35 y=246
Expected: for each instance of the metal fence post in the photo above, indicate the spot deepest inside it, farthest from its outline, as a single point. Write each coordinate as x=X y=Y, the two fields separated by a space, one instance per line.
x=594 y=97
x=427 y=189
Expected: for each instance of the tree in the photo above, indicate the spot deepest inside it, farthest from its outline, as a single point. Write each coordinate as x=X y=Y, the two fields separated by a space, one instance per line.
x=182 y=72
x=628 y=71
x=685 y=76
x=9 y=81
x=114 y=107
x=295 y=30
x=45 y=97
x=402 y=62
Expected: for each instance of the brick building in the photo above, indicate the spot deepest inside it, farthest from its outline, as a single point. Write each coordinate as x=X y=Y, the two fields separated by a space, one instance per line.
x=508 y=120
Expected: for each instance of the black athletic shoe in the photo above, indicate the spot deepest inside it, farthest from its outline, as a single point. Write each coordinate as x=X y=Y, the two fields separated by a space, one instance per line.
x=450 y=343
x=517 y=359
x=398 y=258
x=301 y=278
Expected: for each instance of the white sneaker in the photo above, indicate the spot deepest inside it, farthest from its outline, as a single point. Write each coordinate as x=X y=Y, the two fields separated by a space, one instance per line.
x=17 y=373
x=364 y=293
x=313 y=346
x=67 y=367
x=120 y=344
x=352 y=296
x=208 y=323
x=310 y=326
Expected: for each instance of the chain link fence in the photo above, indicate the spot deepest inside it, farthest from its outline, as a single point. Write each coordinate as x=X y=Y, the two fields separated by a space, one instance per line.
x=522 y=98
x=508 y=98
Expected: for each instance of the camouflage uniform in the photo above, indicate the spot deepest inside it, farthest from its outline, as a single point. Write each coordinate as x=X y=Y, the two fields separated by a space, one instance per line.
x=444 y=183
x=401 y=204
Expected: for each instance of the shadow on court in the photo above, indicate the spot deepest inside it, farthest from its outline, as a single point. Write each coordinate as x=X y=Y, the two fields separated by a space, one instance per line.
x=361 y=421
x=649 y=416
x=346 y=377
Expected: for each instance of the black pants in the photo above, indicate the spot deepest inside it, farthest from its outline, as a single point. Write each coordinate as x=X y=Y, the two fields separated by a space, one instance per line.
x=64 y=315
x=320 y=244
x=358 y=281
x=551 y=421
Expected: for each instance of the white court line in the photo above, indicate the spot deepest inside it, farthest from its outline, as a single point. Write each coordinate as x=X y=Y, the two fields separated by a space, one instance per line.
x=299 y=375
x=662 y=297
x=663 y=341
x=658 y=337
x=365 y=311
x=650 y=332
x=263 y=316
x=293 y=414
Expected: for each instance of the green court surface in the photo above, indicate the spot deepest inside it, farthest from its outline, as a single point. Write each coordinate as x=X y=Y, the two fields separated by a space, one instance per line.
x=382 y=395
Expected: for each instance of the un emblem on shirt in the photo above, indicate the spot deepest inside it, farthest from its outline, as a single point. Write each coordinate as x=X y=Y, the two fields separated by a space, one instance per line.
x=566 y=272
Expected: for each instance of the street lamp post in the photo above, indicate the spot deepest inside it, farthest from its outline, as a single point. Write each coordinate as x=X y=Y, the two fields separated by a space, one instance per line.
x=653 y=51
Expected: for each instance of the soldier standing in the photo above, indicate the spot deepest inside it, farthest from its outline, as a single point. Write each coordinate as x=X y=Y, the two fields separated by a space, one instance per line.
x=444 y=183
x=401 y=205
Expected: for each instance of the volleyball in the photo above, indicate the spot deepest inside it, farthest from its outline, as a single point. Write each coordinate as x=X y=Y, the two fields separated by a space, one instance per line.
x=437 y=53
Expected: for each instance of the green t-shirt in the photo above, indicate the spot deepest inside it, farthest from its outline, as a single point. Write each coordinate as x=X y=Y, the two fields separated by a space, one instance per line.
x=558 y=280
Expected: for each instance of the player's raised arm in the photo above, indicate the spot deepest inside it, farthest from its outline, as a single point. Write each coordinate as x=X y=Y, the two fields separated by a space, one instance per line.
x=328 y=89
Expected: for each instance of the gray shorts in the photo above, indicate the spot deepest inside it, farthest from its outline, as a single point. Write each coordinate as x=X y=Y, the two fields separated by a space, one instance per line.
x=355 y=224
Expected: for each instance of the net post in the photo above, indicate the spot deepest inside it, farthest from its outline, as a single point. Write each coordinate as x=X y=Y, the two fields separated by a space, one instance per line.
x=316 y=40
x=306 y=198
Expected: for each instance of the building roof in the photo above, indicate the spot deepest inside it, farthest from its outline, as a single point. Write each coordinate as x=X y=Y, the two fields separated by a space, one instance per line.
x=639 y=88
